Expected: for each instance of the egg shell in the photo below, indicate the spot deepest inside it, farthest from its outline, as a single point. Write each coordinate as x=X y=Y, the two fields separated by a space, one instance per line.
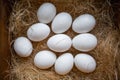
x=46 y=12
x=23 y=47
x=64 y=64
x=84 y=42
x=44 y=59
x=85 y=63
x=38 y=32
x=84 y=23
x=61 y=22
x=59 y=43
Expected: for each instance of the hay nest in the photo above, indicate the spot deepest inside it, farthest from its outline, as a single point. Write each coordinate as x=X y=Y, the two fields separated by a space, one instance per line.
x=106 y=53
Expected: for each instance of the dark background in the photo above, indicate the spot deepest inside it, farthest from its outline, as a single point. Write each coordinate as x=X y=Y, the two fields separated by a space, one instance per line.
x=5 y=9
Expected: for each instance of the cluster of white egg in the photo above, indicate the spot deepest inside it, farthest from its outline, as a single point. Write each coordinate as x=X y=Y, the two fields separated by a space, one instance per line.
x=60 y=42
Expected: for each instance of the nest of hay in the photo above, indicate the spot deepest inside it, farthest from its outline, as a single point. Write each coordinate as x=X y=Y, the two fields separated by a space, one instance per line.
x=106 y=53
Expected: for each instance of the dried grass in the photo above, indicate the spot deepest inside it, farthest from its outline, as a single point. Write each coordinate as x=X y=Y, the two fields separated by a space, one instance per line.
x=106 y=53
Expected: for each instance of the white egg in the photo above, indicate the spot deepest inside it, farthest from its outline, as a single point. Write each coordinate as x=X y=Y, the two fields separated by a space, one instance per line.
x=64 y=64
x=84 y=42
x=85 y=63
x=59 y=43
x=46 y=12
x=84 y=23
x=23 y=47
x=61 y=22
x=44 y=59
x=38 y=32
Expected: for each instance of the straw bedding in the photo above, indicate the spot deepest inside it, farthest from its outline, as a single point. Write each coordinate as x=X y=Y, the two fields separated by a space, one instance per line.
x=106 y=53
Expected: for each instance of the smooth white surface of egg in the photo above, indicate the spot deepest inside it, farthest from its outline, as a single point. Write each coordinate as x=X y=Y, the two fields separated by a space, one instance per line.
x=84 y=42
x=59 y=43
x=46 y=12
x=61 y=22
x=84 y=23
x=23 y=47
x=44 y=59
x=85 y=63
x=64 y=64
x=38 y=32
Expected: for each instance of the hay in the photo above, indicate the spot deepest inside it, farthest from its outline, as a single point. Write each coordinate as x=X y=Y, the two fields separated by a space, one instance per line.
x=106 y=53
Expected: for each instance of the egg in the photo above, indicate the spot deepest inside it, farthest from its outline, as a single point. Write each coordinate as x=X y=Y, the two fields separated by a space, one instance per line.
x=23 y=47
x=84 y=23
x=84 y=42
x=64 y=64
x=85 y=63
x=46 y=12
x=44 y=59
x=59 y=43
x=61 y=22
x=38 y=32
